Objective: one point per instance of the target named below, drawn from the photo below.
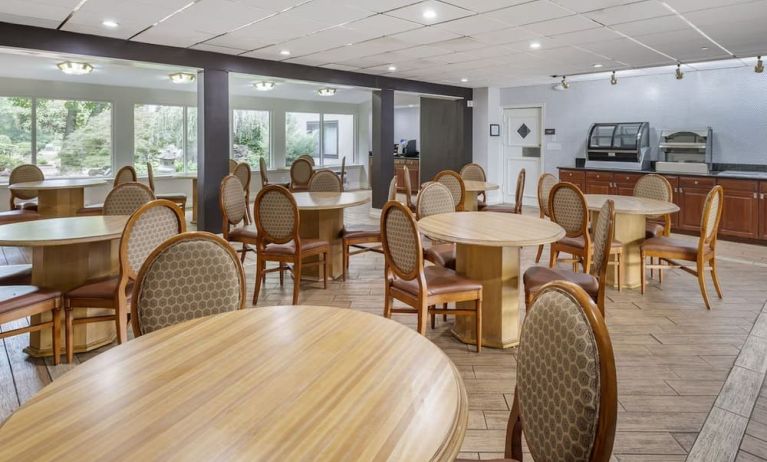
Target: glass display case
(621, 145)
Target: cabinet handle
(680, 190)
(696, 181)
(755, 196)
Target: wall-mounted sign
(549, 131)
(495, 130)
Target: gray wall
(731, 101)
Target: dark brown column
(382, 163)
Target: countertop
(397, 157)
(730, 174)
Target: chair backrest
(126, 198)
(150, 175)
(232, 165)
(545, 183)
(276, 215)
(307, 157)
(126, 174)
(519, 194)
(232, 201)
(408, 186)
(603, 237)
(242, 172)
(188, 276)
(401, 240)
(455, 184)
(567, 208)
(433, 199)
(301, 171)
(712, 215)
(473, 172)
(325, 181)
(654, 186)
(565, 348)
(25, 173)
(151, 225)
(262, 171)
(393, 189)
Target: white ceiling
(484, 41)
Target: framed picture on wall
(495, 130)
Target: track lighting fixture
(759, 68)
(565, 84)
(613, 79)
(679, 74)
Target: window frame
(321, 140)
(269, 154)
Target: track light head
(679, 74)
(759, 68)
(613, 79)
(565, 84)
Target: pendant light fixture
(759, 68)
(613, 79)
(328, 91)
(264, 85)
(679, 74)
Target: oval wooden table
(59, 197)
(65, 253)
(322, 217)
(473, 190)
(488, 250)
(630, 227)
(277, 383)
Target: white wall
(486, 148)
(407, 124)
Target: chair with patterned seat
(301, 171)
(545, 183)
(307, 157)
(475, 172)
(408, 185)
(519, 195)
(232, 165)
(434, 199)
(126, 198)
(24, 173)
(243, 174)
(325, 181)
(177, 198)
(278, 222)
(566, 397)
(567, 208)
(126, 174)
(263, 171)
(22, 301)
(233, 203)
(654, 186)
(212, 282)
(454, 183)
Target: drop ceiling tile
(162, 35)
(33, 9)
(546, 43)
(272, 30)
(527, 13)
(380, 25)
(633, 12)
(274, 5)
(30, 21)
(329, 12)
(684, 45)
(746, 12)
(379, 6)
(562, 25)
(415, 13)
(582, 6)
(471, 25)
(425, 36)
(482, 6)
(508, 35)
(341, 67)
(423, 51)
(684, 6)
(320, 41)
(587, 36)
(123, 32)
(218, 49)
(309, 60)
(214, 17)
(626, 51)
(459, 44)
(652, 26)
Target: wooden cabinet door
(740, 214)
(415, 180)
(599, 183)
(576, 177)
(692, 200)
(623, 183)
(763, 210)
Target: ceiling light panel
(442, 12)
(527, 13)
(49, 14)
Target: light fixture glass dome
(328, 91)
(182, 77)
(265, 85)
(75, 68)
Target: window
(250, 137)
(165, 136)
(15, 133)
(303, 136)
(338, 138)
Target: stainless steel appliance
(624, 145)
(684, 151)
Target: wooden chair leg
(539, 254)
(282, 275)
(478, 308)
(346, 260)
(422, 313)
(69, 334)
(715, 277)
(121, 323)
(325, 270)
(387, 303)
(619, 264)
(56, 335)
(444, 316)
(702, 283)
(260, 266)
(433, 321)
(554, 255)
(652, 270)
(660, 272)
(244, 251)
(296, 280)
(643, 270)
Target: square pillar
(382, 163)
(212, 145)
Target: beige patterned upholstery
(325, 181)
(24, 174)
(401, 239)
(309, 158)
(433, 199)
(568, 209)
(473, 172)
(653, 186)
(276, 214)
(558, 379)
(192, 277)
(545, 184)
(126, 174)
(242, 172)
(300, 172)
(126, 198)
(232, 165)
(454, 183)
(152, 227)
(602, 238)
(393, 189)
(233, 200)
(709, 221)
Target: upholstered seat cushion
(536, 276)
(243, 234)
(361, 232)
(441, 255)
(18, 215)
(439, 281)
(502, 208)
(15, 274)
(671, 248)
(15, 297)
(653, 229)
(307, 246)
(577, 242)
(104, 288)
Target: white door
(521, 149)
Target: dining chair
(177, 198)
(212, 282)
(233, 203)
(126, 174)
(325, 181)
(232, 165)
(342, 173)
(361, 238)
(301, 171)
(242, 172)
(475, 172)
(671, 250)
(422, 289)
(278, 222)
(654, 186)
(147, 228)
(24, 173)
(408, 189)
(595, 281)
(435, 199)
(566, 397)
(568, 209)
(308, 157)
(545, 183)
(127, 198)
(20, 274)
(454, 183)
(23, 301)
(519, 195)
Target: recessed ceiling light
(704, 48)
(74, 68)
(182, 77)
(429, 14)
(285, 52)
(265, 85)
(328, 91)
(535, 45)
(597, 66)
(392, 68)
(464, 80)
(109, 23)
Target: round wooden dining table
(473, 190)
(488, 246)
(322, 217)
(630, 227)
(59, 197)
(66, 252)
(278, 383)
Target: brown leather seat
(173, 197)
(441, 255)
(577, 242)
(18, 215)
(439, 281)
(307, 246)
(653, 229)
(28, 205)
(537, 276)
(99, 288)
(671, 248)
(361, 232)
(243, 234)
(15, 275)
(16, 297)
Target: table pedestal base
(470, 201)
(64, 268)
(630, 230)
(497, 268)
(325, 225)
(54, 203)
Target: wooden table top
(330, 200)
(277, 383)
(479, 186)
(62, 231)
(630, 205)
(62, 183)
(491, 229)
